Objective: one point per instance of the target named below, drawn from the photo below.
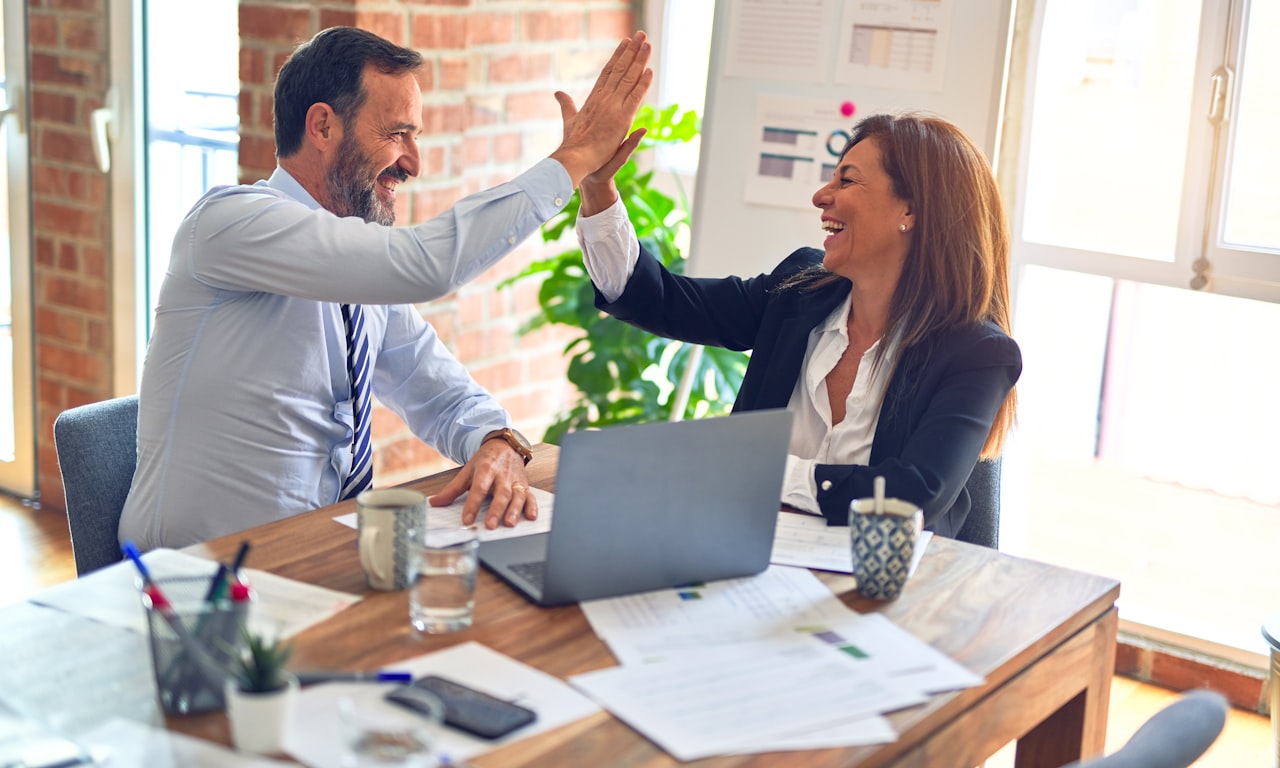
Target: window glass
(1145, 448)
(192, 116)
(682, 73)
(1252, 199)
(1111, 113)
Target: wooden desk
(1043, 637)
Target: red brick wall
(71, 220)
(492, 66)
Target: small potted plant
(261, 694)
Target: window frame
(1233, 272)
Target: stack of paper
(772, 662)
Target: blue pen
(307, 678)
(131, 551)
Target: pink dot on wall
(847, 109)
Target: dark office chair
(982, 526)
(1174, 737)
(97, 448)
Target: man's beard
(352, 196)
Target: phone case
(465, 708)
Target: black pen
(307, 678)
(241, 554)
(216, 584)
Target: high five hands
(597, 135)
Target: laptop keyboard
(531, 572)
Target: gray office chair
(982, 526)
(1174, 737)
(97, 448)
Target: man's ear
(323, 125)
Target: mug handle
(368, 550)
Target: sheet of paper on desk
(315, 736)
(807, 541)
(451, 515)
(110, 595)
(135, 744)
(744, 699)
(654, 625)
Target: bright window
(1106, 159)
(1147, 419)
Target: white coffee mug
(384, 520)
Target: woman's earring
(902, 227)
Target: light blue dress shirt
(245, 410)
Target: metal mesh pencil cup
(194, 644)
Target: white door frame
(119, 133)
(19, 476)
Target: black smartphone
(465, 708)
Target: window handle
(103, 131)
(14, 107)
(1220, 96)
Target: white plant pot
(260, 721)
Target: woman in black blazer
(891, 345)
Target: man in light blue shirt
(246, 409)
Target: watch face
(518, 442)
(524, 441)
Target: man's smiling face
(379, 148)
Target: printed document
(759, 639)
(742, 698)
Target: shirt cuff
(548, 185)
(476, 436)
(799, 489)
(610, 249)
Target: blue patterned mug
(883, 544)
(385, 519)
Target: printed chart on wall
(787, 81)
(899, 44)
(884, 43)
(798, 144)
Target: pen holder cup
(194, 644)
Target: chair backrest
(982, 526)
(97, 448)
(1174, 737)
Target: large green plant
(622, 374)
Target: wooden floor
(36, 552)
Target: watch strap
(513, 439)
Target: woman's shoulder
(984, 336)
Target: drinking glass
(442, 590)
(376, 737)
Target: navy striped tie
(361, 476)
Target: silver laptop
(649, 506)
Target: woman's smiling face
(862, 215)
